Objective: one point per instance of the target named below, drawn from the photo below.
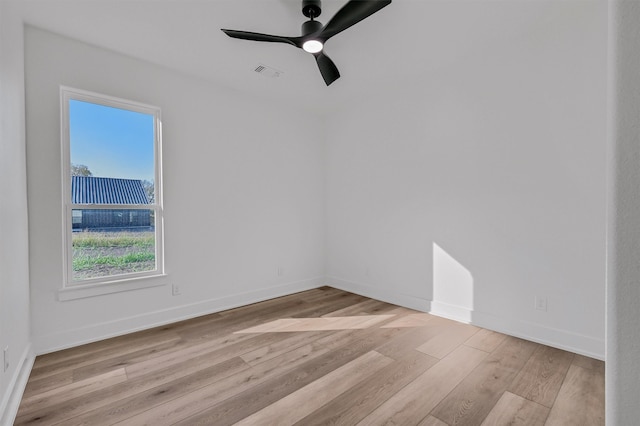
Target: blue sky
(112, 142)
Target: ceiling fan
(314, 34)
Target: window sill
(99, 289)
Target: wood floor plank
(245, 317)
(71, 390)
(515, 410)
(114, 345)
(485, 340)
(122, 361)
(442, 344)
(37, 386)
(273, 350)
(333, 296)
(541, 377)
(411, 320)
(223, 348)
(121, 408)
(432, 421)
(240, 318)
(580, 401)
(588, 363)
(264, 394)
(230, 323)
(288, 325)
(365, 370)
(289, 410)
(329, 304)
(269, 327)
(195, 402)
(359, 401)
(318, 294)
(476, 395)
(418, 398)
(412, 338)
(366, 307)
(107, 354)
(261, 310)
(61, 412)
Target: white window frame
(74, 289)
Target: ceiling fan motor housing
(311, 8)
(310, 27)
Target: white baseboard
(105, 330)
(557, 338)
(453, 312)
(384, 295)
(11, 401)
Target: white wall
(499, 162)
(244, 183)
(14, 260)
(623, 250)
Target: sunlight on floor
(317, 324)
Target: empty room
(350, 212)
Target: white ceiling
(402, 43)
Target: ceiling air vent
(268, 71)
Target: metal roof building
(109, 191)
(100, 190)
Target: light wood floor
(319, 357)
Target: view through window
(113, 214)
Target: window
(111, 189)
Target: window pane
(76, 218)
(112, 154)
(107, 242)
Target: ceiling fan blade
(328, 69)
(350, 14)
(246, 35)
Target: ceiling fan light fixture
(314, 34)
(312, 46)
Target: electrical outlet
(540, 303)
(367, 272)
(280, 271)
(175, 290)
(5, 358)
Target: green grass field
(103, 254)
